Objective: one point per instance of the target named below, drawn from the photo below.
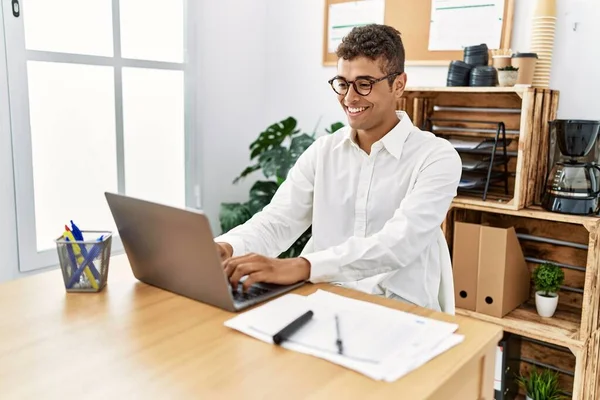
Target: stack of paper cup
(542, 40)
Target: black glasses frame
(372, 81)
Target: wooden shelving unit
(569, 342)
(573, 242)
(466, 112)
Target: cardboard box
(489, 268)
(465, 261)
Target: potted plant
(547, 278)
(507, 76)
(540, 385)
(274, 152)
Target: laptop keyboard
(253, 292)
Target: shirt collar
(393, 141)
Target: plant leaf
(296, 249)
(261, 194)
(247, 171)
(273, 137)
(232, 215)
(299, 145)
(334, 127)
(275, 162)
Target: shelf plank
(562, 329)
(470, 89)
(532, 212)
(497, 202)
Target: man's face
(368, 112)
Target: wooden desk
(136, 341)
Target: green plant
(508, 68)
(547, 278)
(541, 385)
(274, 152)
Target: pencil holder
(84, 263)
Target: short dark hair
(375, 42)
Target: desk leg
(488, 365)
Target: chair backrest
(446, 292)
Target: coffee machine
(573, 184)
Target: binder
(507, 367)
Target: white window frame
(17, 56)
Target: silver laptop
(173, 249)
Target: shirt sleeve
(289, 214)
(407, 234)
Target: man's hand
(264, 269)
(225, 250)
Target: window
(98, 93)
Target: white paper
(403, 341)
(465, 143)
(456, 24)
(345, 16)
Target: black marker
(290, 329)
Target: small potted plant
(547, 278)
(507, 76)
(540, 385)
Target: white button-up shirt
(376, 218)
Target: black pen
(291, 328)
(338, 342)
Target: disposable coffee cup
(526, 64)
(501, 61)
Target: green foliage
(541, 385)
(274, 152)
(508, 68)
(548, 278)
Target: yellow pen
(80, 259)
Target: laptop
(173, 249)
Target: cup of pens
(84, 257)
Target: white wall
(576, 59)
(232, 95)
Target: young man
(375, 192)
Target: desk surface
(134, 339)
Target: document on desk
(379, 342)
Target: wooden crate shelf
(574, 245)
(578, 313)
(555, 358)
(525, 113)
(577, 372)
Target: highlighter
(78, 235)
(80, 258)
(94, 252)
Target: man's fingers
(242, 270)
(241, 259)
(255, 277)
(231, 264)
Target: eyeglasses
(362, 86)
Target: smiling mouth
(353, 111)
